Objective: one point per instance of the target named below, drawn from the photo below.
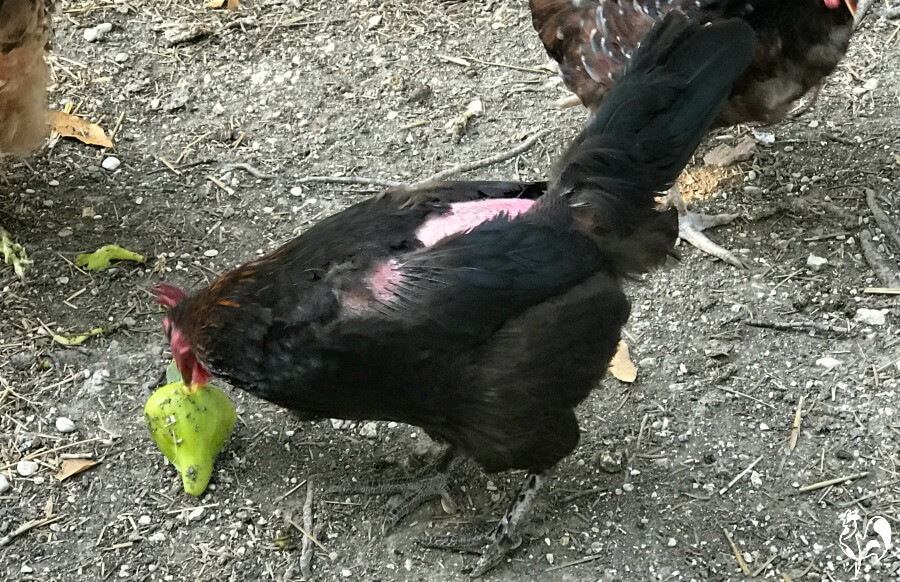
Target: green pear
(190, 427)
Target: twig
(736, 393)
(489, 161)
(349, 180)
(830, 482)
(307, 553)
(739, 476)
(512, 67)
(308, 535)
(228, 189)
(291, 490)
(882, 290)
(881, 219)
(644, 420)
(879, 266)
(28, 526)
(170, 166)
(247, 168)
(37, 454)
(438, 177)
(797, 326)
(795, 432)
(574, 562)
(737, 553)
(763, 567)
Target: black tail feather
(646, 130)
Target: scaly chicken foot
(691, 226)
(13, 253)
(501, 540)
(410, 493)
(809, 101)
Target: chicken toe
(409, 494)
(502, 539)
(13, 253)
(691, 226)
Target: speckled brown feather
(24, 33)
(800, 42)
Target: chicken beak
(851, 6)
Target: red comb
(168, 295)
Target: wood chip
(71, 467)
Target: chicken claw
(411, 493)
(691, 226)
(505, 536)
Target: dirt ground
(367, 88)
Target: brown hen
(24, 31)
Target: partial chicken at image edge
(24, 74)
(800, 43)
(483, 312)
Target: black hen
(478, 313)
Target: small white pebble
(627, 487)
(26, 468)
(121, 57)
(210, 253)
(296, 191)
(671, 543)
(65, 425)
(870, 316)
(196, 514)
(828, 362)
(369, 430)
(4, 484)
(346, 573)
(111, 163)
(816, 263)
(763, 426)
(53, 183)
(26, 569)
(144, 520)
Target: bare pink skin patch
(464, 216)
(381, 279)
(377, 286)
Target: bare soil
(365, 88)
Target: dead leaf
(68, 125)
(621, 366)
(229, 4)
(72, 467)
(727, 155)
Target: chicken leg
(691, 226)
(413, 493)
(502, 539)
(13, 253)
